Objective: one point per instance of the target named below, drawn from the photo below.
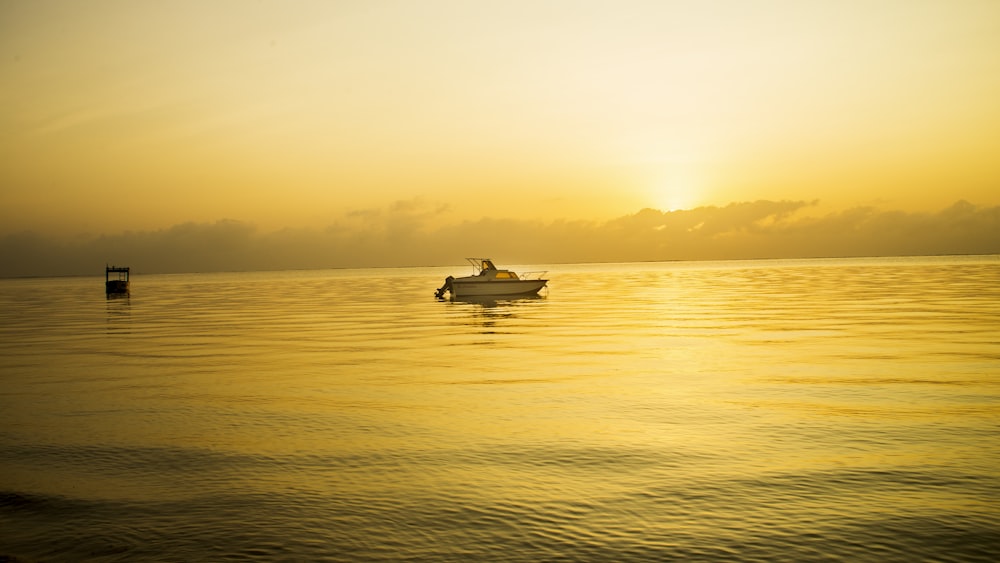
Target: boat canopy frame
(122, 272)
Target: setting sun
(679, 190)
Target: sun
(679, 191)
(675, 200)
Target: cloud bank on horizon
(400, 235)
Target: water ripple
(825, 410)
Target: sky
(370, 126)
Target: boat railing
(533, 275)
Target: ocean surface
(774, 410)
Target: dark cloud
(402, 235)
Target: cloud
(402, 235)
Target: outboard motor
(446, 287)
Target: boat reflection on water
(119, 313)
(494, 301)
(493, 315)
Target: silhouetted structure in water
(119, 284)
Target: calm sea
(768, 410)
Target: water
(770, 410)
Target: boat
(488, 280)
(117, 284)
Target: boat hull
(116, 286)
(474, 288)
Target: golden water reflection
(635, 412)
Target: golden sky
(143, 115)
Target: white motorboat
(488, 280)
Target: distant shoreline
(671, 261)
